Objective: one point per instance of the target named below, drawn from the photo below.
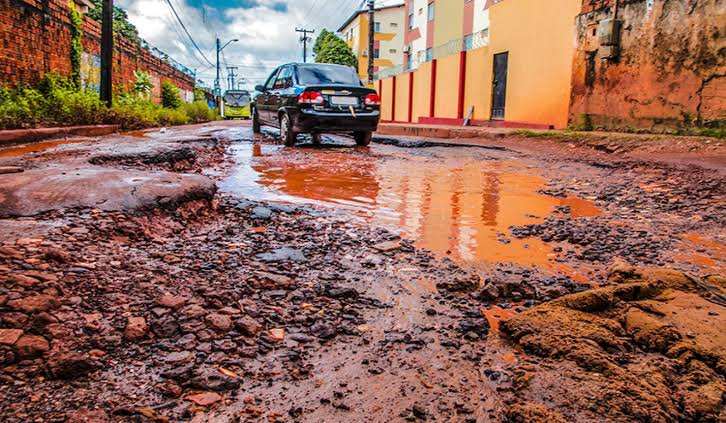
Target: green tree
(321, 40)
(329, 48)
(76, 46)
(143, 84)
(170, 97)
(121, 24)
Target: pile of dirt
(647, 347)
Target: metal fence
(168, 59)
(470, 42)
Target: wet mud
(340, 283)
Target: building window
(432, 11)
(429, 54)
(410, 22)
(376, 53)
(392, 51)
(377, 26)
(394, 25)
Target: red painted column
(393, 100)
(432, 106)
(462, 84)
(410, 96)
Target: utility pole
(231, 72)
(305, 40)
(107, 53)
(371, 39)
(218, 81)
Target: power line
(187, 32)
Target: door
(279, 89)
(499, 89)
(263, 100)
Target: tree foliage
(329, 48)
(142, 84)
(170, 97)
(121, 24)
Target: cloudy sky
(265, 29)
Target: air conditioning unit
(608, 32)
(365, 53)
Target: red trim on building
(412, 36)
(469, 17)
(430, 27)
(410, 97)
(432, 106)
(462, 84)
(393, 100)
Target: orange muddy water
(40, 146)
(454, 202)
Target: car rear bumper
(312, 121)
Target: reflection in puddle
(455, 202)
(40, 146)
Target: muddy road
(206, 274)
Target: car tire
(287, 135)
(255, 122)
(317, 138)
(363, 139)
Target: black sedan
(316, 98)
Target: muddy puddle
(456, 202)
(21, 150)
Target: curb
(24, 136)
(441, 132)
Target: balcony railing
(470, 42)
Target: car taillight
(310, 97)
(372, 100)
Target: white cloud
(266, 36)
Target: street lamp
(217, 83)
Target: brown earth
(648, 347)
(233, 309)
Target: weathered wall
(36, 38)
(671, 72)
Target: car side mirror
(260, 88)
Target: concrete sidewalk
(24, 136)
(443, 131)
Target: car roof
(298, 64)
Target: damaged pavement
(140, 283)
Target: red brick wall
(35, 38)
(671, 72)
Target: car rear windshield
(327, 75)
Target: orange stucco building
(502, 63)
